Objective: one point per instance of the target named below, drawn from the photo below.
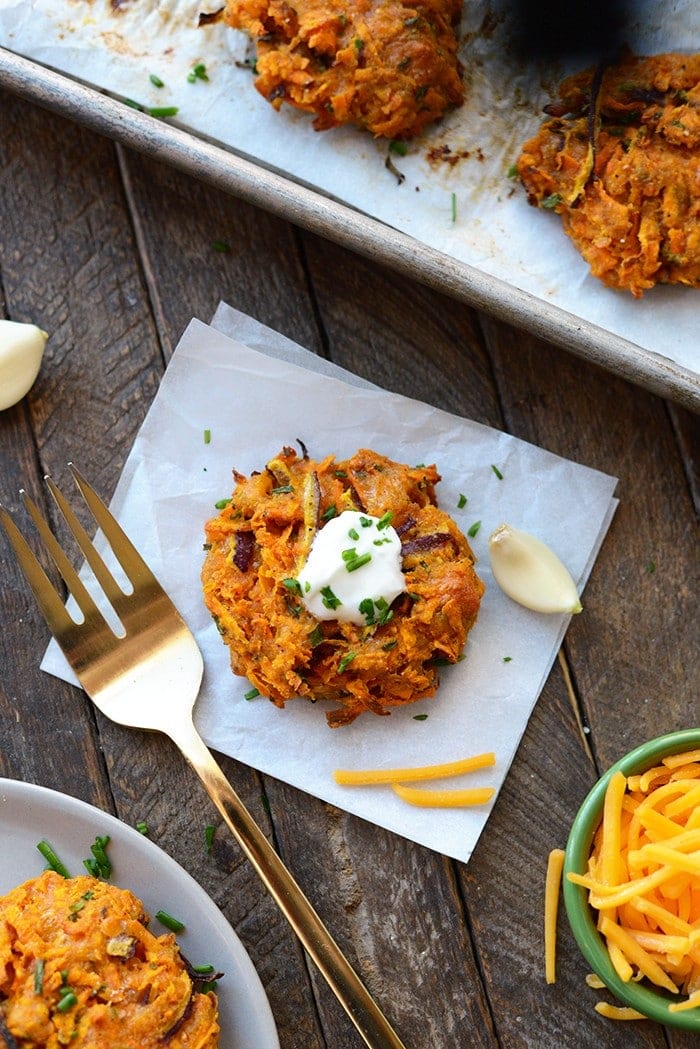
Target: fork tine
(136, 569)
(50, 603)
(114, 593)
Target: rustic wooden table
(113, 254)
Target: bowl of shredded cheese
(631, 881)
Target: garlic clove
(21, 351)
(530, 573)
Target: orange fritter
(619, 160)
(259, 543)
(385, 65)
(79, 968)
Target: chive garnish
(142, 827)
(282, 489)
(100, 866)
(354, 534)
(221, 246)
(329, 513)
(385, 520)
(156, 81)
(292, 584)
(345, 661)
(497, 472)
(420, 717)
(162, 111)
(329, 598)
(198, 72)
(39, 976)
(366, 608)
(357, 562)
(52, 859)
(454, 207)
(507, 659)
(252, 693)
(221, 503)
(207, 436)
(474, 529)
(67, 1001)
(209, 832)
(462, 501)
(174, 924)
(316, 636)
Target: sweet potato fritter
(79, 967)
(389, 66)
(263, 537)
(620, 162)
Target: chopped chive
(651, 567)
(174, 924)
(329, 513)
(474, 529)
(365, 522)
(461, 502)
(420, 717)
(329, 599)
(198, 72)
(357, 562)
(52, 859)
(282, 489)
(366, 608)
(207, 436)
(202, 970)
(399, 148)
(507, 659)
(101, 861)
(349, 555)
(142, 827)
(385, 520)
(354, 534)
(39, 976)
(454, 207)
(221, 503)
(389, 645)
(209, 832)
(316, 636)
(221, 246)
(156, 81)
(497, 472)
(292, 584)
(512, 171)
(252, 693)
(345, 661)
(551, 201)
(162, 111)
(67, 1001)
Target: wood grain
(113, 254)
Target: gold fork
(149, 678)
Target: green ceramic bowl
(582, 918)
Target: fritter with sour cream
(257, 551)
(385, 65)
(619, 161)
(79, 968)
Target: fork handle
(313, 934)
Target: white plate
(29, 813)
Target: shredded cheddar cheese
(440, 798)
(555, 865)
(370, 777)
(643, 879)
(444, 799)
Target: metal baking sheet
(309, 207)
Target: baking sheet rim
(306, 207)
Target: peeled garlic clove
(530, 573)
(21, 351)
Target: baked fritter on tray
(258, 548)
(79, 968)
(385, 65)
(619, 161)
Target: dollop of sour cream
(353, 571)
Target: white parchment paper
(254, 401)
(468, 209)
